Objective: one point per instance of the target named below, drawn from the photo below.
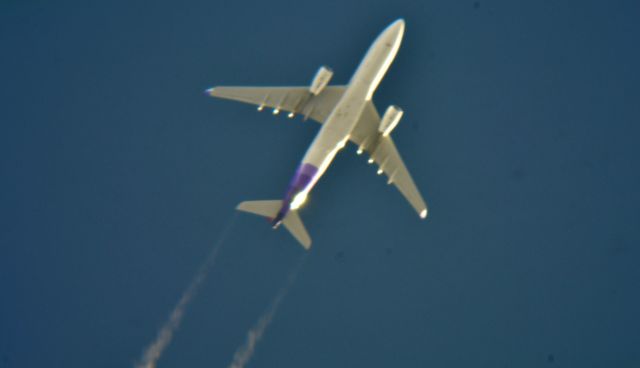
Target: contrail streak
(244, 353)
(153, 352)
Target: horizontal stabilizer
(291, 222)
(262, 208)
(295, 226)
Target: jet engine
(322, 78)
(390, 119)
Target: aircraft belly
(334, 134)
(335, 131)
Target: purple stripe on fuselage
(303, 177)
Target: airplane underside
(346, 114)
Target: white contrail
(153, 352)
(244, 353)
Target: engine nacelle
(322, 78)
(390, 119)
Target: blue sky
(118, 174)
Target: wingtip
(307, 245)
(209, 91)
(423, 214)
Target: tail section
(291, 221)
(267, 209)
(295, 226)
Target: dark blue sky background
(117, 175)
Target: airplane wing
(383, 152)
(294, 100)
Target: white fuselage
(335, 131)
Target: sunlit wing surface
(292, 100)
(384, 153)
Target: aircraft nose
(392, 34)
(396, 29)
(398, 25)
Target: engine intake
(321, 79)
(390, 119)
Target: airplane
(346, 113)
